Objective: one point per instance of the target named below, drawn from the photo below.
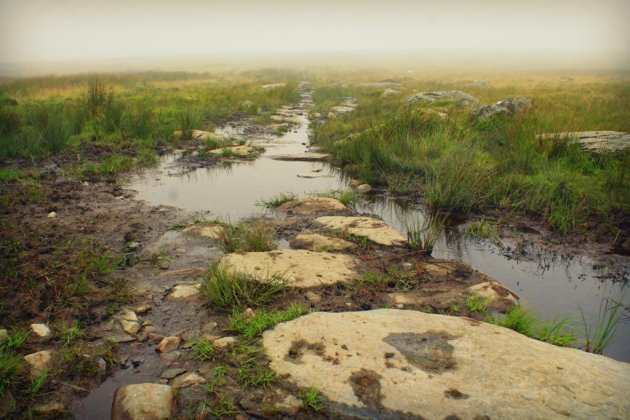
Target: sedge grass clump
(252, 236)
(203, 349)
(229, 289)
(262, 320)
(478, 303)
(311, 399)
(277, 200)
(519, 319)
(423, 234)
(484, 229)
(598, 337)
(524, 321)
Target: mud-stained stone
(39, 362)
(364, 188)
(172, 373)
(143, 401)
(502, 298)
(367, 387)
(313, 205)
(485, 370)
(301, 268)
(206, 230)
(507, 107)
(375, 230)
(312, 297)
(236, 151)
(183, 291)
(127, 315)
(306, 157)
(593, 141)
(195, 135)
(430, 351)
(316, 242)
(50, 410)
(4, 335)
(41, 330)
(224, 342)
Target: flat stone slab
(207, 230)
(307, 156)
(313, 205)
(375, 230)
(317, 242)
(183, 291)
(390, 363)
(456, 96)
(301, 268)
(594, 141)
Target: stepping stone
(316, 242)
(299, 267)
(313, 205)
(375, 230)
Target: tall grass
(599, 336)
(251, 236)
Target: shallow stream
(551, 285)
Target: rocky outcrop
(301, 268)
(143, 401)
(456, 96)
(593, 141)
(507, 107)
(375, 230)
(390, 363)
(313, 205)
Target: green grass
(229, 290)
(484, 229)
(277, 200)
(10, 174)
(423, 235)
(598, 337)
(38, 383)
(253, 236)
(460, 165)
(311, 399)
(524, 321)
(252, 375)
(11, 368)
(70, 333)
(346, 196)
(262, 320)
(477, 303)
(203, 349)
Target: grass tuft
(347, 197)
(228, 290)
(262, 320)
(254, 236)
(478, 303)
(203, 349)
(599, 337)
(311, 399)
(277, 200)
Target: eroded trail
(327, 269)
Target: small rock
(506, 107)
(52, 215)
(172, 373)
(168, 344)
(101, 365)
(364, 188)
(190, 379)
(52, 409)
(249, 313)
(41, 330)
(224, 342)
(170, 357)
(120, 338)
(143, 309)
(130, 327)
(354, 183)
(4, 335)
(289, 405)
(39, 362)
(454, 96)
(154, 336)
(313, 297)
(143, 401)
(127, 315)
(209, 327)
(183, 291)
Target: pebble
(41, 330)
(168, 344)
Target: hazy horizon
(36, 35)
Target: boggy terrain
(102, 290)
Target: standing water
(553, 286)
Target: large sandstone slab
(308, 206)
(594, 141)
(143, 401)
(375, 230)
(388, 363)
(301, 268)
(317, 242)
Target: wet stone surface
(429, 351)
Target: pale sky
(33, 30)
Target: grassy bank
(125, 118)
(460, 164)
